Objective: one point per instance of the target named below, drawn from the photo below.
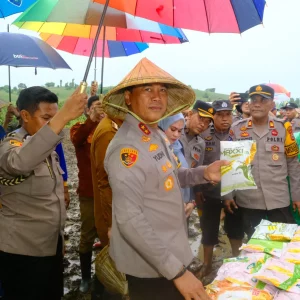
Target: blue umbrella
(11, 7)
(27, 51)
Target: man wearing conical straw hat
(149, 239)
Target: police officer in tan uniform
(33, 211)
(292, 116)
(212, 206)
(198, 120)
(149, 235)
(275, 159)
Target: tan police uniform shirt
(212, 140)
(32, 194)
(193, 150)
(149, 231)
(275, 159)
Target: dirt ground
(72, 234)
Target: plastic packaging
(237, 175)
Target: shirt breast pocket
(275, 154)
(42, 181)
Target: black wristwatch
(181, 273)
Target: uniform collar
(139, 126)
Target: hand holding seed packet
(237, 175)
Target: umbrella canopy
(279, 89)
(11, 7)
(117, 34)
(281, 94)
(81, 46)
(81, 20)
(219, 16)
(27, 51)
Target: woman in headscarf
(173, 127)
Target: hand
(67, 196)
(97, 112)
(13, 110)
(190, 287)
(230, 205)
(296, 206)
(234, 97)
(212, 173)
(188, 208)
(74, 106)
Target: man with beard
(275, 159)
(212, 206)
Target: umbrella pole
(95, 70)
(9, 81)
(102, 67)
(84, 84)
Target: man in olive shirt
(33, 211)
(275, 159)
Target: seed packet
(273, 248)
(296, 237)
(225, 290)
(283, 295)
(281, 274)
(267, 230)
(237, 175)
(292, 253)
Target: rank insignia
(196, 156)
(275, 157)
(271, 124)
(153, 147)
(208, 149)
(145, 139)
(208, 138)
(274, 132)
(164, 168)
(258, 88)
(231, 132)
(244, 134)
(144, 128)
(249, 125)
(129, 157)
(169, 165)
(275, 148)
(169, 183)
(16, 143)
(244, 128)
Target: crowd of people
(148, 154)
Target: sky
(227, 62)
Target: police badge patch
(129, 157)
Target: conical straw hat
(181, 97)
